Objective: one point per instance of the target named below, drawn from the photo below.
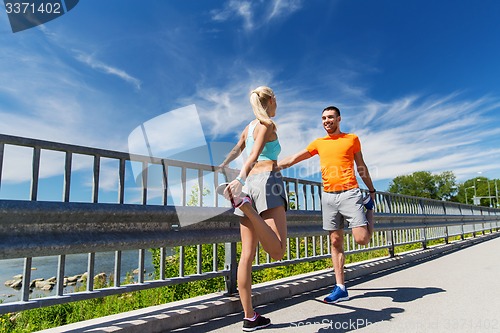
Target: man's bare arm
(294, 159)
(363, 172)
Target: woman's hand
(233, 189)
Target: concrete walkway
(447, 288)
(455, 292)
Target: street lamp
(489, 192)
(466, 202)
(476, 202)
(496, 194)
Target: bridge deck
(449, 288)
(456, 292)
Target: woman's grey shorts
(339, 207)
(267, 191)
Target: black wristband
(374, 190)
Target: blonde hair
(259, 99)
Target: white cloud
(238, 8)
(93, 63)
(284, 7)
(256, 13)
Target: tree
(426, 185)
(194, 197)
(446, 185)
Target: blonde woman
(259, 198)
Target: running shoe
(239, 201)
(220, 189)
(368, 202)
(337, 295)
(236, 202)
(258, 323)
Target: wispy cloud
(242, 9)
(107, 69)
(284, 8)
(45, 94)
(256, 13)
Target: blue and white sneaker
(368, 202)
(337, 295)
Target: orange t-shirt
(336, 157)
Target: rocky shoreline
(49, 284)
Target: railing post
(35, 174)
(140, 276)
(61, 262)
(163, 257)
(67, 177)
(390, 233)
(95, 180)
(26, 279)
(423, 233)
(446, 232)
(2, 146)
(297, 202)
(182, 257)
(390, 242)
(491, 226)
(90, 271)
(462, 236)
(118, 268)
(231, 265)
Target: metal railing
(32, 228)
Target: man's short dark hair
(332, 108)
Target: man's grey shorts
(339, 207)
(267, 191)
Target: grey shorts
(267, 191)
(343, 206)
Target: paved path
(455, 292)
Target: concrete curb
(185, 313)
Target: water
(46, 267)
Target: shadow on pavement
(338, 322)
(342, 322)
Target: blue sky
(417, 81)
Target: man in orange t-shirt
(341, 200)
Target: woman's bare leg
(249, 242)
(270, 228)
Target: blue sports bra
(271, 149)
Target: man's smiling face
(331, 121)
